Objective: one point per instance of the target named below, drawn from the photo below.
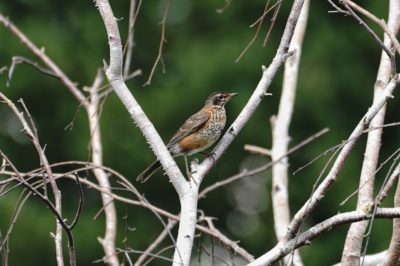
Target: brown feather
(191, 125)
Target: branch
(187, 194)
(268, 74)
(346, 149)
(393, 254)
(133, 11)
(19, 60)
(140, 202)
(280, 135)
(257, 150)
(284, 248)
(355, 235)
(156, 243)
(32, 134)
(371, 259)
(114, 76)
(388, 29)
(60, 221)
(260, 22)
(161, 46)
(108, 242)
(351, 12)
(40, 53)
(262, 168)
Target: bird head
(219, 98)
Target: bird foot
(210, 155)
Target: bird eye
(220, 97)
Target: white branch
(187, 194)
(114, 76)
(322, 189)
(32, 135)
(283, 248)
(93, 110)
(280, 134)
(393, 254)
(371, 259)
(355, 236)
(257, 96)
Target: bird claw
(212, 156)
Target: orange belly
(191, 143)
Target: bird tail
(148, 172)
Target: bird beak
(230, 95)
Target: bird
(197, 133)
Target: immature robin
(199, 131)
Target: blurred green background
(338, 70)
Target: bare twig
(3, 249)
(280, 133)
(32, 134)
(145, 204)
(388, 184)
(373, 34)
(164, 233)
(383, 192)
(80, 203)
(371, 259)
(162, 41)
(284, 248)
(262, 168)
(258, 94)
(393, 254)
(108, 242)
(257, 150)
(224, 7)
(59, 218)
(22, 60)
(260, 23)
(23, 197)
(3, 69)
(40, 53)
(130, 41)
(355, 236)
(273, 20)
(342, 156)
(391, 33)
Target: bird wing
(192, 124)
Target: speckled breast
(208, 134)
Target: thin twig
(381, 22)
(373, 34)
(273, 20)
(262, 168)
(162, 41)
(32, 134)
(164, 233)
(89, 166)
(40, 53)
(260, 23)
(80, 203)
(53, 208)
(224, 7)
(305, 238)
(257, 150)
(130, 41)
(330, 178)
(381, 194)
(22, 60)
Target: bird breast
(210, 132)
(206, 136)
